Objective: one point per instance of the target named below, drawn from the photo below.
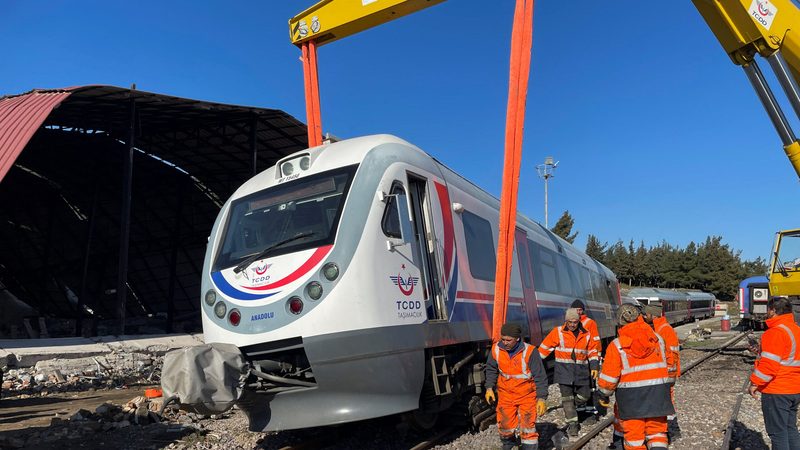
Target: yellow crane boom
(747, 28)
(330, 20)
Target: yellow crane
(744, 28)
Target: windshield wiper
(243, 265)
(780, 266)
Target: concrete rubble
(38, 367)
(140, 412)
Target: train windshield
(303, 213)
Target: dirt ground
(22, 413)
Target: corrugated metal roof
(67, 162)
(20, 118)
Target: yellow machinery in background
(784, 273)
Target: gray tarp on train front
(207, 379)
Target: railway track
(607, 421)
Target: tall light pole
(546, 172)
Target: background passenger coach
(356, 279)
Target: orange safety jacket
(591, 326)
(777, 370)
(575, 355)
(665, 330)
(517, 377)
(636, 368)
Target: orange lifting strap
(313, 116)
(521, 42)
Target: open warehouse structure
(107, 196)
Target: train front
(285, 338)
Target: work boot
(529, 447)
(573, 429)
(616, 443)
(673, 431)
(508, 443)
(590, 421)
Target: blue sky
(659, 136)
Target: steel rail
(602, 425)
(726, 442)
(433, 440)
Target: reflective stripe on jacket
(516, 377)
(665, 330)
(777, 370)
(591, 326)
(575, 355)
(636, 368)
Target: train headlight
(211, 297)
(314, 290)
(287, 168)
(235, 317)
(295, 305)
(330, 271)
(305, 163)
(220, 309)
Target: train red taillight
(235, 317)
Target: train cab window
(289, 217)
(480, 246)
(391, 216)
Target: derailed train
(357, 280)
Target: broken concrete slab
(28, 352)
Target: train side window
(544, 269)
(480, 246)
(588, 289)
(583, 284)
(565, 277)
(391, 214)
(525, 263)
(597, 288)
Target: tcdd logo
(260, 270)
(406, 285)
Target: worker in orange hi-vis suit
(591, 326)
(636, 370)
(654, 315)
(515, 368)
(777, 375)
(575, 367)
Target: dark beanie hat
(511, 329)
(577, 304)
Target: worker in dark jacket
(591, 326)
(576, 365)
(515, 369)
(777, 375)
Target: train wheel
(421, 421)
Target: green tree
(563, 227)
(595, 249)
(620, 262)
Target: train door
(529, 294)
(401, 265)
(425, 248)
